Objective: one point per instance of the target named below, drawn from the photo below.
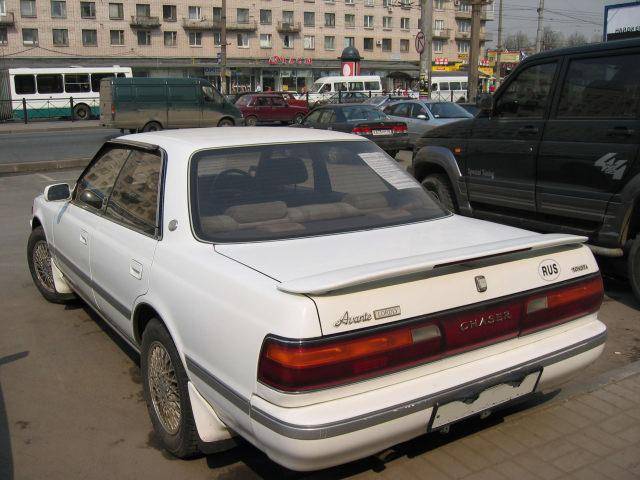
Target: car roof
(593, 47)
(217, 137)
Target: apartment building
(276, 43)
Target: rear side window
(527, 96)
(101, 176)
(356, 86)
(313, 116)
(278, 102)
(96, 78)
(372, 85)
(76, 83)
(328, 116)
(363, 114)
(25, 84)
(601, 87)
(50, 83)
(402, 110)
(134, 200)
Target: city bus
(58, 92)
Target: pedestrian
(258, 87)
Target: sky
(566, 16)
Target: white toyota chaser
(300, 290)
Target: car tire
(226, 122)
(251, 121)
(440, 187)
(298, 119)
(178, 435)
(39, 260)
(633, 267)
(81, 112)
(152, 127)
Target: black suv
(554, 149)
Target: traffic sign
(420, 42)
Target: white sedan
(300, 290)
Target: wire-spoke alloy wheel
(42, 265)
(163, 388)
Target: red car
(268, 108)
(291, 99)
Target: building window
(242, 40)
(195, 13)
(387, 3)
(265, 40)
(349, 20)
(349, 42)
(28, 8)
(405, 23)
(195, 39)
(463, 6)
(386, 44)
(329, 19)
(387, 22)
(368, 21)
(438, 25)
(287, 17)
(116, 11)
(143, 10)
(3, 7)
(60, 37)
(242, 15)
(368, 3)
(287, 41)
(464, 25)
(170, 39)
(309, 19)
(4, 38)
(217, 38)
(144, 37)
(265, 17)
(58, 9)
(438, 46)
(404, 45)
(439, 4)
(88, 9)
(463, 47)
(30, 36)
(349, 2)
(368, 43)
(217, 14)
(116, 37)
(169, 13)
(309, 42)
(89, 38)
(330, 42)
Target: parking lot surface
(71, 401)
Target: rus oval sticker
(549, 269)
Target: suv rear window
(294, 190)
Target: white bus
(47, 92)
(324, 87)
(449, 88)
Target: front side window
(49, 83)
(116, 11)
(88, 9)
(28, 8)
(89, 38)
(116, 37)
(134, 199)
(76, 83)
(58, 9)
(601, 87)
(60, 37)
(528, 94)
(301, 189)
(95, 185)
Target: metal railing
(28, 111)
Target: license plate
(382, 132)
(486, 400)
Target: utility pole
(223, 48)
(498, 59)
(426, 26)
(539, 32)
(474, 53)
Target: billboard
(621, 21)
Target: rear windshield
(363, 114)
(448, 110)
(279, 191)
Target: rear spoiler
(373, 272)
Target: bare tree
(517, 41)
(551, 39)
(596, 38)
(576, 39)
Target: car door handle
(83, 237)
(135, 269)
(620, 132)
(528, 129)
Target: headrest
(257, 212)
(275, 172)
(366, 201)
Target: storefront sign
(278, 60)
(212, 71)
(505, 56)
(441, 61)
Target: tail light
(303, 365)
(400, 128)
(113, 112)
(361, 130)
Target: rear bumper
(401, 143)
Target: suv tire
(39, 260)
(440, 187)
(634, 267)
(164, 378)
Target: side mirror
(90, 198)
(485, 102)
(422, 116)
(57, 192)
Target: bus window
(50, 83)
(444, 85)
(465, 85)
(372, 85)
(76, 82)
(434, 87)
(340, 86)
(25, 84)
(455, 85)
(356, 86)
(96, 78)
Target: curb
(49, 129)
(26, 167)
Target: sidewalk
(53, 126)
(589, 435)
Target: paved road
(42, 146)
(71, 402)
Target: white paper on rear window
(389, 170)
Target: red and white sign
(350, 69)
(441, 61)
(278, 60)
(420, 42)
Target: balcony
(463, 35)
(200, 24)
(249, 26)
(486, 36)
(289, 27)
(463, 13)
(7, 19)
(443, 33)
(144, 22)
(487, 15)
